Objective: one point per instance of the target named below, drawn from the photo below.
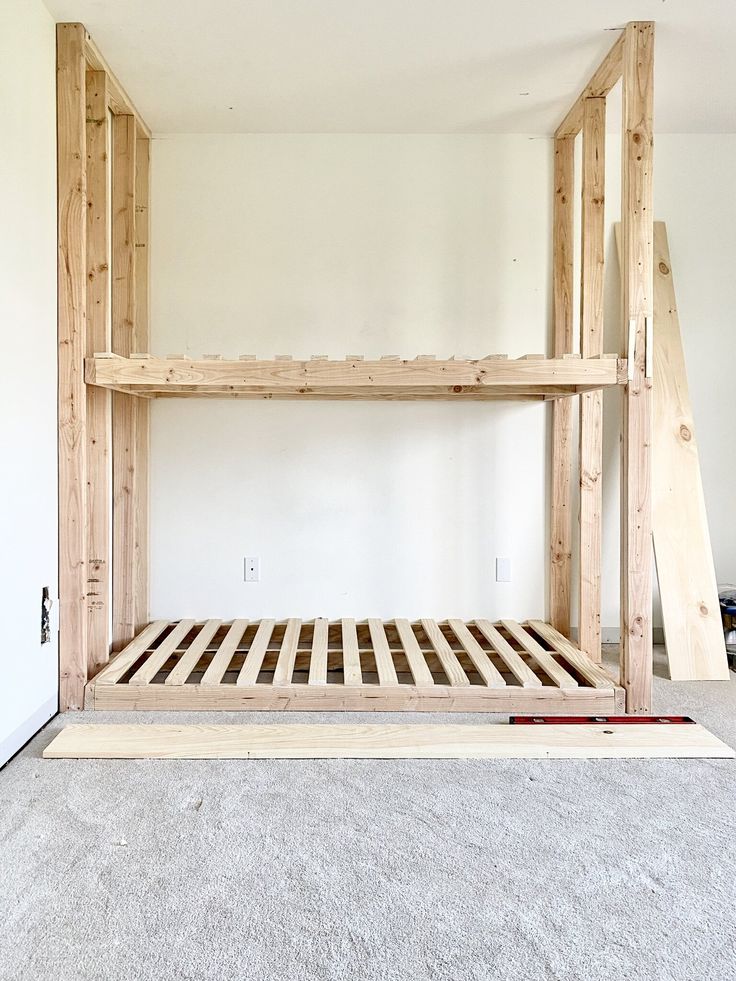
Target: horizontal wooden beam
(488, 378)
(605, 77)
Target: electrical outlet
(503, 569)
(252, 568)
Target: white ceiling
(407, 66)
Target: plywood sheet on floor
(417, 741)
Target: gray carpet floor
(372, 870)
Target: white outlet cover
(251, 568)
(503, 569)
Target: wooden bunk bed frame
(111, 656)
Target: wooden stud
(560, 574)
(141, 335)
(591, 403)
(98, 401)
(72, 314)
(637, 240)
(124, 407)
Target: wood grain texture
(605, 77)
(352, 379)
(560, 566)
(687, 579)
(72, 396)
(392, 741)
(98, 401)
(124, 407)
(591, 403)
(141, 342)
(637, 234)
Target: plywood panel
(417, 741)
(687, 579)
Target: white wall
(380, 245)
(28, 490)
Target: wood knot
(685, 433)
(636, 138)
(457, 388)
(703, 610)
(664, 268)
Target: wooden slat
(417, 664)
(448, 658)
(687, 580)
(592, 672)
(382, 653)
(637, 274)
(124, 408)
(511, 658)
(98, 401)
(251, 668)
(560, 573)
(591, 403)
(287, 655)
(72, 305)
(115, 670)
(352, 673)
(141, 342)
(483, 664)
(318, 658)
(223, 655)
(189, 660)
(414, 741)
(605, 77)
(543, 658)
(153, 664)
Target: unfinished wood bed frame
(106, 379)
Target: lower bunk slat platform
(344, 665)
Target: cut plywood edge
(685, 570)
(553, 741)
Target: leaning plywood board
(554, 741)
(687, 580)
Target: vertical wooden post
(562, 274)
(141, 344)
(637, 241)
(72, 306)
(98, 400)
(124, 407)
(591, 403)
